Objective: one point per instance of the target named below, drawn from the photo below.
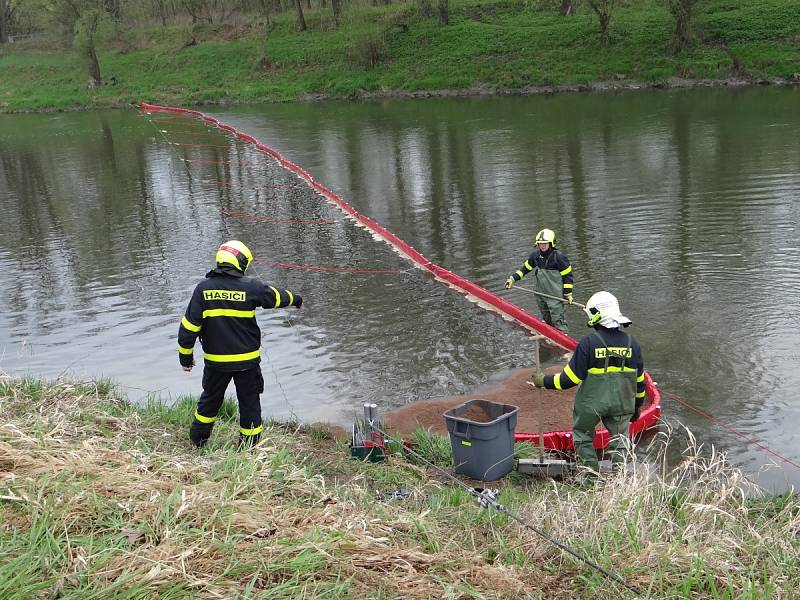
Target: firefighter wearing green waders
(552, 274)
(609, 368)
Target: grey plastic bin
(483, 451)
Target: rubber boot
(199, 433)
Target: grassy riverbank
(505, 46)
(100, 499)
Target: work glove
(298, 301)
(568, 298)
(538, 380)
(510, 283)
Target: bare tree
(567, 8)
(682, 12)
(603, 9)
(301, 21)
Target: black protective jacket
(222, 313)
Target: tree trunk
(566, 8)
(301, 21)
(308, 4)
(337, 10)
(682, 14)
(94, 65)
(444, 12)
(3, 22)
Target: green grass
(501, 44)
(102, 499)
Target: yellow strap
(571, 374)
(569, 286)
(182, 350)
(277, 296)
(291, 297)
(641, 394)
(566, 271)
(640, 378)
(253, 431)
(228, 312)
(521, 274)
(203, 419)
(528, 266)
(233, 357)
(557, 381)
(189, 325)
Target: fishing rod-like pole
(530, 291)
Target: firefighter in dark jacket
(609, 367)
(222, 313)
(552, 276)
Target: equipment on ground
(367, 441)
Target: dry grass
(100, 499)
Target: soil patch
(539, 410)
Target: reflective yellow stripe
(566, 271)
(277, 296)
(189, 325)
(253, 431)
(521, 274)
(599, 371)
(640, 378)
(569, 286)
(640, 394)
(228, 312)
(232, 357)
(203, 419)
(291, 297)
(528, 266)
(557, 381)
(183, 350)
(571, 374)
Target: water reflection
(683, 204)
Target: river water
(684, 204)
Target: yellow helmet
(234, 253)
(546, 236)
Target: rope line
(352, 270)
(745, 436)
(503, 509)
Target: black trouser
(249, 386)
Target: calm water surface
(684, 204)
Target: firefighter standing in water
(222, 313)
(552, 276)
(609, 366)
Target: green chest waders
(549, 281)
(607, 395)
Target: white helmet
(603, 309)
